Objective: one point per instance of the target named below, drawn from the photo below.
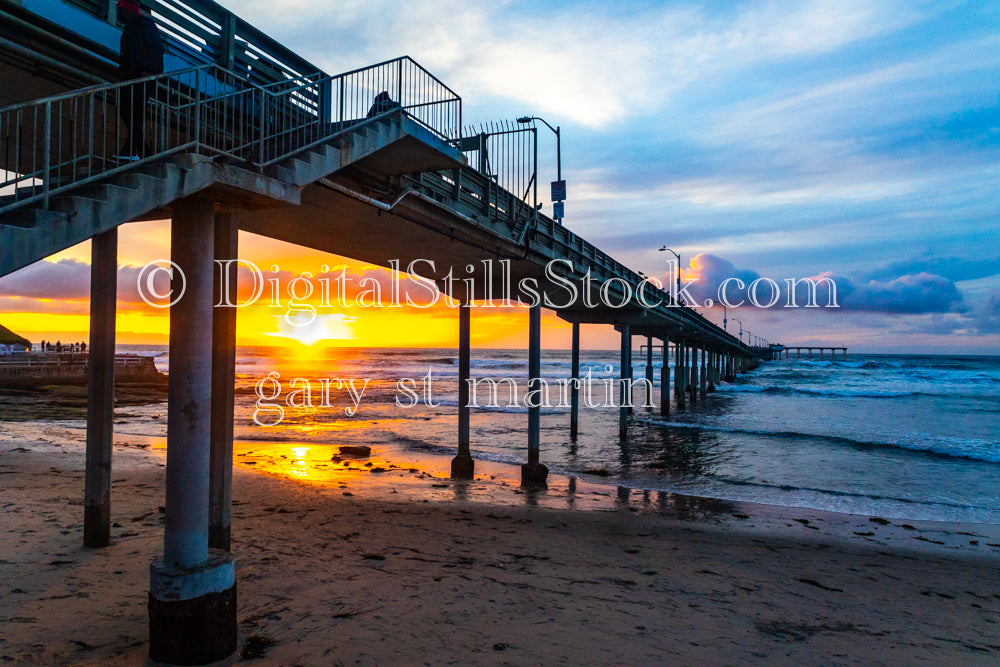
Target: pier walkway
(246, 135)
(809, 351)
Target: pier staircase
(254, 146)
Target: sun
(308, 328)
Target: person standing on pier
(141, 55)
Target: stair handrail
(349, 98)
(208, 110)
(75, 136)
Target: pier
(272, 145)
(786, 349)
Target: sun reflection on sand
(318, 464)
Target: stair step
(30, 218)
(104, 192)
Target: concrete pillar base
(463, 466)
(220, 536)
(192, 611)
(711, 388)
(534, 475)
(97, 525)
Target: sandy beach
(399, 565)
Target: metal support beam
(534, 473)
(574, 409)
(223, 379)
(693, 374)
(100, 389)
(680, 376)
(665, 380)
(625, 382)
(462, 466)
(649, 371)
(703, 385)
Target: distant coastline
(27, 370)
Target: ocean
(897, 436)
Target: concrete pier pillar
(625, 387)
(680, 374)
(693, 376)
(100, 389)
(703, 379)
(192, 590)
(665, 379)
(649, 371)
(462, 466)
(574, 408)
(713, 370)
(223, 378)
(534, 473)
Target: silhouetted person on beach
(141, 55)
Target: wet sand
(352, 565)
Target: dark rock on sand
(357, 451)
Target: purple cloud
(912, 294)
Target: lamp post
(741, 327)
(556, 209)
(675, 254)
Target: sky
(858, 141)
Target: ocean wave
(958, 448)
(773, 389)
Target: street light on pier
(675, 254)
(559, 186)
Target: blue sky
(859, 140)
(855, 140)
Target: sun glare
(309, 329)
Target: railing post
(399, 81)
(534, 132)
(340, 118)
(227, 42)
(260, 161)
(197, 108)
(46, 156)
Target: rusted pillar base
(192, 612)
(534, 476)
(97, 525)
(463, 466)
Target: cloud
(589, 62)
(907, 294)
(66, 279)
(915, 293)
(953, 268)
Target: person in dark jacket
(141, 56)
(383, 102)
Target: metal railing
(507, 155)
(202, 32)
(51, 145)
(347, 99)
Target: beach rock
(255, 647)
(357, 451)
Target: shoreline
(401, 566)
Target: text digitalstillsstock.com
(564, 287)
(272, 399)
